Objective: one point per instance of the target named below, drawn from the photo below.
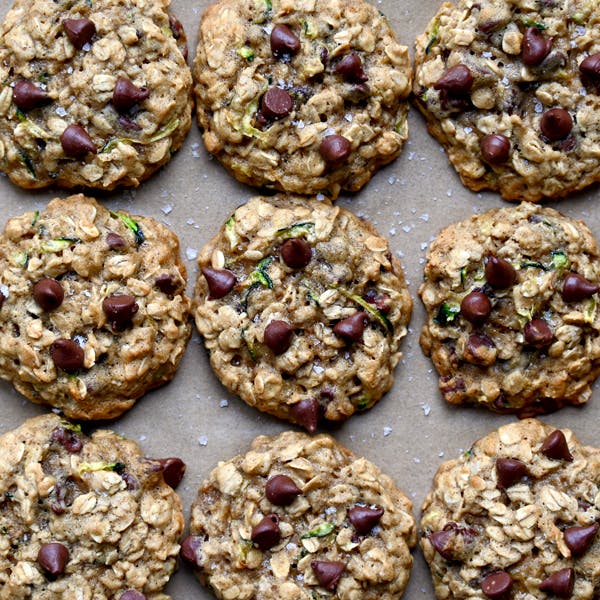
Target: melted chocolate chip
(48, 294)
(67, 355)
(296, 253)
(335, 149)
(351, 68)
(114, 241)
(499, 273)
(284, 42)
(68, 439)
(119, 310)
(53, 558)
(556, 124)
(351, 328)
(364, 518)
(445, 540)
(496, 585)
(555, 446)
(537, 333)
(132, 595)
(480, 350)
(306, 413)
(281, 490)
(559, 584)
(173, 470)
(126, 95)
(590, 66)
(495, 148)
(79, 31)
(577, 288)
(76, 142)
(166, 283)
(579, 539)
(189, 550)
(278, 336)
(220, 282)
(509, 471)
(28, 96)
(476, 307)
(328, 572)
(267, 533)
(457, 80)
(276, 104)
(535, 47)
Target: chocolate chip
(67, 355)
(328, 572)
(495, 148)
(535, 47)
(119, 310)
(220, 282)
(590, 66)
(382, 302)
(79, 31)
(579, 539)
(351, 68)
(281, 490)
(577, 288)
(76, 142)
(126, 95)
(476, 307)
(537, 333)
(496, 585)
(278, 336)
(266, 534)
(2, 299)
(509, 471)
(166, 283)
(556, 124)
(130, 481)
(352, 327)
(28, 96)
(284, 42)
(296, 253)
(364, 518)
(559, 584)
(114, 241)
(457, 80)
(48, 294)
(276, 104)
(442, 542)
(53, 558)
(189, 550)
(132, 595)
(555, 446)
(172, 470)
(499, 273)
(306, 412)
(480, 350)
(335, 148)
(179, 34)
(68, 439)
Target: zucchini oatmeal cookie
(512, 317)
(511, 90)
(85, 517)
(302, 307)
(95, 94)
(301, 96)
(517, 517)
(92, 307)
(297, 518)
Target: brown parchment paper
(408, 433)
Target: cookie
(300, 517)
(95, 94)
(512, 310)
(511, 88)
(92, 307)
(84, 514)
(516, 517)
(302, 307)
(302, 97)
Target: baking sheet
(408, 433)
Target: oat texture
(314, 527)
(92, 254)
(512, 87)
(234, 67)
(495, 363)
(133, 40)
(99, 498)
(520, 529)
(351, 270)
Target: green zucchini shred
(321, 530)
(371, 310)
(132, 225)
(446, 314)
(295, 230)
(26, 159)
(246, 52)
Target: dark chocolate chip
(128, 124)
(130, 481)
(535, 47)
(579, 539)
(335, 148)
(119, 310)
(126, 95)
(509, 471)
(76, 142)
(48, 294)
(495, 148)
(496, 585)
(382, 302)
(352, 327)
(364, 518)
(577, 288)
(2, 299)
(179, 34)
(328, 572)
(537, 333)
(281, 490)
(53, 558)
(166, 283)
(296, 253)
(68, 439)
(278, 336)
(590, 66)
(266, 534)
(476, 307)
(114, 241)
(189, 550)
(276, 104)
(442, 542)
(556, 124)
(499, 273)
(67, 355)
(555, 446)
(480, 350)
(284, 42)
(28, 96)
(351, 68)
(172, 470)
(132, 595)
(457, 80)
(306, 412)
(220, 282)
(79, 31)
(559, 584)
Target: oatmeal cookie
(94, 94)
(301, 96)
(512, 310)
(516, 517)
(92, 307)
(84, 517)
(511, 89)
(302, 307)
(297, 518)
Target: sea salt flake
(224, 403)
(60, 111)
(203, 440)
(167, 209)
(191, 253)
(387, 431)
